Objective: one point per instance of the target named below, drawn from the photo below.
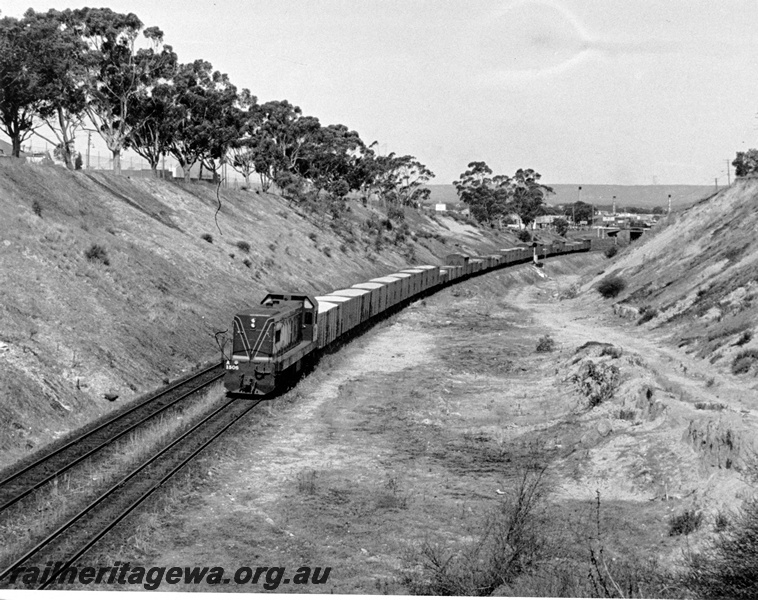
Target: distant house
(440, 207)
(545, 221)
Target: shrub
(647, 313)
(396, 213)
(611, 252)
(328, 251)
(244, 246)
(744, 338)
(97, 253)
(207, 237)
(612, 351)
(312, 235)
(524, 235)
(597, 382)
(744, 361)
(627, 414)
(561, 226)
(546, 344)
(247, 263)
(37, 208)
(508, 542)
(611, 286)
(685, 523)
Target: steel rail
(111, 491)
(98, 536)
(69, 465)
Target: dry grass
(62, 498)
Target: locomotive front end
(266, 341)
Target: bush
(561, 226)
(744, 361)
(37, 208)
(647, 313)
(207, 237)
(727, 566)
(611, 252)
(97, 253)
(597, 382)
(244, 246)
(313, 236)
(507, 544)
(328, 251)
(396, 213)
(685, 523)
(247, 263)
(744, 338)
(546, 344)
(524, 235)
(611, 286)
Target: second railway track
(78, 534)
(20, 483)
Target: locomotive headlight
(236, 362)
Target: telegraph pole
(89, 143)
(669, 204)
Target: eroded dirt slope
(145, 306)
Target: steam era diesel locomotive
(272, 342)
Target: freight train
(270, 344)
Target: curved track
(19, 484)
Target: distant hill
(644, 196)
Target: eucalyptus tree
(59, 71)
(243, 150)
(116, 69)
(286, 134)
(20, 96)
(527, 194)
(151, 132)
(204, 118)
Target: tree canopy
(492, 198)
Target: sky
(584, 91)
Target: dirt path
(578, 321)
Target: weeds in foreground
(507, 544)
(727, 567)
(207, 237)
(686, 523)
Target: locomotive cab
(265, 340)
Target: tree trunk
(116, 161)
(16, 146)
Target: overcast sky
(584, 91)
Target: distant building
(440, 207)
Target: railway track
(77, 535)
(19, 484)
